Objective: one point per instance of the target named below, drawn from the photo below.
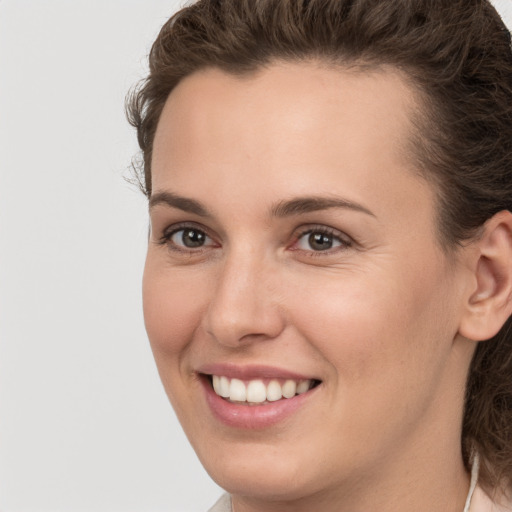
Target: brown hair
(457, 53)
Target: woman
(328, 282)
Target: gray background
(84, 422)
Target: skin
(383, 321)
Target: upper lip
(249, 372)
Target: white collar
(475, 467)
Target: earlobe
(489, 303)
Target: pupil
(320, 241)
(193, 238)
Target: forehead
(289, 101)
(289, 128)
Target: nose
(245, 304)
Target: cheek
(386, 342)
(172, 311)
(382, 328)
(172, 314)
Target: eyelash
(345, 242)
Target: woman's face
(293, 249)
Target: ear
(489, 299)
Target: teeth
(237, 391)
(216, 384)
(274, 391)
(221, 386)
(224, 387)
(303, 386)
(256, 392)
(289, 388)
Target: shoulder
(223, 504)
(482, 502)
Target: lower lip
(253, 416)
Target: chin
(267, 472)
(280, 483)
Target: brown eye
(319, 241)
(190, 238)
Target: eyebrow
(181, 203)
(295, 206)
(300, 205)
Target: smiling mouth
(259, 391)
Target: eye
(190, 238)
(321, 239)
(186, 239)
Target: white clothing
(222, 505)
